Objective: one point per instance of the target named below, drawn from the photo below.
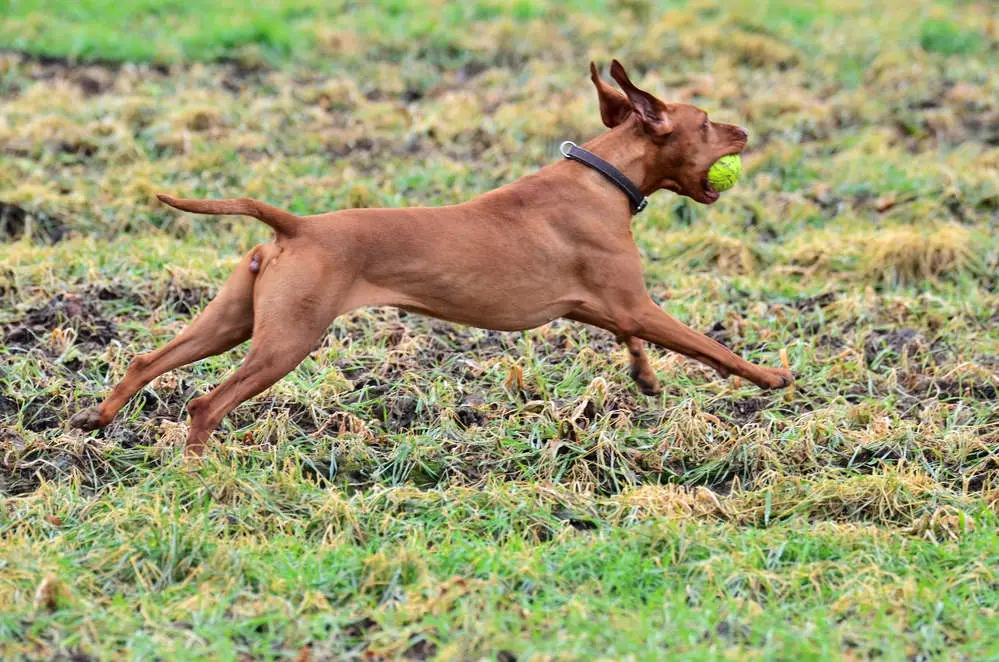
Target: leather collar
(574, 152)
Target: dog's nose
(742, 132)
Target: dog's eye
(704, 125)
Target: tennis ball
(725, 172)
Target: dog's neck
(625, 148)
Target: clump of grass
(758, 50)
(820, 253)
(938, 35)
(896, 497)
(198, 118)
(703, 251)
(905, 255)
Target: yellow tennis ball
(725, 172)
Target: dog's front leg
(648, 322)
(655, 325)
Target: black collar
(571, 150)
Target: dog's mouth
(708, 191)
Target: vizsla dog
(553, 244)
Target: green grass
(269, 32)
(250, 557)
(395, 497)
(938, 36)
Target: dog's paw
(646, 382)
(648, 387)
(771, 378)
(86, 420)
(194, 452)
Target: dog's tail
(283, 223)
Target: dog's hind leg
(225, 322)
(293, 306)
(641, 368)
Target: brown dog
(553, 244)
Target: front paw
(86, 420)
(771, 378)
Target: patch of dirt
(361, 627)
(186, 300)
(112, 292)
(719, 333)
(950, 390)
(15, 221)
(26, 461)
(8, 407)
(40, 415)
(867, 459)
(403, 412)
(93, 77)
(472, 411)
(97, 76)
(23, 467)
(890, 347)
(817, 301)
(77, 656)
(421, 649)
(318, 470)
(831, 345)
(64, 311)
(10, 440)
(578, 521)
(741, 410)
(983, 476)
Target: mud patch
(720, 333)
(817, 301)
(93, 77)
(954, 390)
(186, 300)
(471, 412)
(983, 476)
(865, 460)
(26, 461)
(361, 627)
(17, 222)
(77, 656)
(39, 415)
(421, 649)
(62, 314)
(890, 347)
(8, 407)
(741, 411)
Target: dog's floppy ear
(614, 106)
(651, 110)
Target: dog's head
(682, 143)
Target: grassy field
(421, 490)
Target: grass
(421, 490)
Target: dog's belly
(501, 309)
(494, 320)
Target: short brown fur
(553, 244)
